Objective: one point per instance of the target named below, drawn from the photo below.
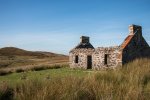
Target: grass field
(130, 82)
(42, 75)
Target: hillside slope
(13, 51)
(15, 57)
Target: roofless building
(85, 56)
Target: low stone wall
(114, 57)
(98, 56)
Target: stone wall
(82, 57)
(98, 57)
(114, 57)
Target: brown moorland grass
(130, 82)
(21, 61)
(12, 57)
(6, 71)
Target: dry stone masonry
(85, 56)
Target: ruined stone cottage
(85, 56)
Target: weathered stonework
(82, 57)
(113, 59)
(85, 56)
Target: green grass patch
(41, 75)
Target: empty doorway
(89, 62)
(76, 59)
(106, 59)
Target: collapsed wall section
(107, 57)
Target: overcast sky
(56, 25)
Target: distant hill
(13, 51)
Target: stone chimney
(134, 29)
(84, 39)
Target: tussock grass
(6, 93)
(38, 68)
(130, 82)
(7, 71)
(19, 70)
